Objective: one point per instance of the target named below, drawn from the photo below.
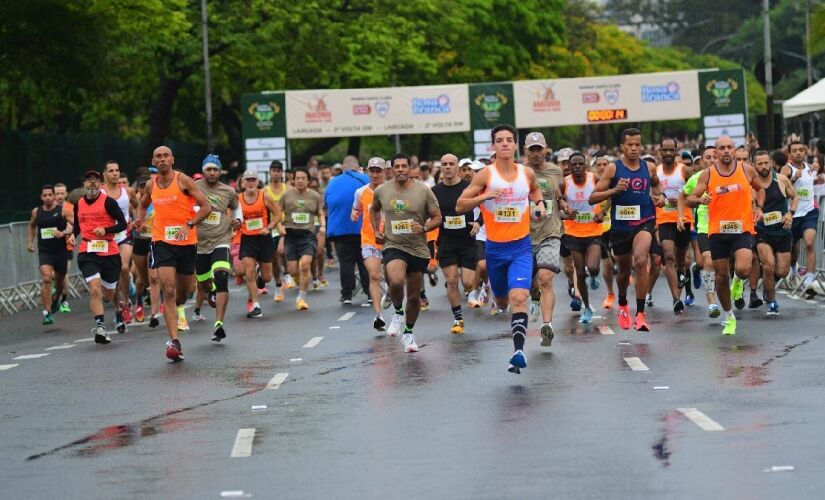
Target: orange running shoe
(640, 324)
(301, 304)
(624, 317)
(608, 301)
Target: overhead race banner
(724, 105)
(385, 111)
(621, 98)
(490, 105)
(263, 124)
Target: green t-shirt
(702, 211)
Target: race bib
(275, 233)
(455, 222)
(584, 217)
(771, 218)
(730, 227)
(804, 194)
(300, 217)
(628, 212)
(146, 232)
(170, 232)
(213, 219)
(670, 206)
(120, 236)
(254, 224)
(97, 246)
(507, 214)
(401, 226)
(47, 233)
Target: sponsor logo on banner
(382, 108)
(491, 104)
(546, 99)
(661, 93)
(722, 91)
(426, 106)
(264, 113)
(611, 96)
(590, 97)
(361, 109)
(317, 111)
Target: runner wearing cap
(256, 236)
(97, 219)
(215, 239)
(126, 200)
(370, 249)
(504, 191)
(174, 238)
(545, 234)
(50, 226)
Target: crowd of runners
(713, 218)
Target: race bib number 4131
(507, 214)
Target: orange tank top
(367, 234)
(584, 224)
(255, 215)
(507, 217)
(173, 208)
(672, 185)
(730, 210)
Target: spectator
(344, 233)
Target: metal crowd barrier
(19, 274)
(793, 285)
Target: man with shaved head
(456, 239)
(733, 209)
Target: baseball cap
(375, 162)
(249, 174)
(535, 139)
(211, 161)
(564, 154)
(465, 161)
(153, 170)
(687, 156)
(477, 165)
(93, 173)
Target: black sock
(99, 320)
(518, 324)
(622, 300)
(640, 305)
(457, 312)
(688, 288)
(399, 310)
(408, 328)
(753, 293)
(197, 311)
(139, 299)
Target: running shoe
(458, 327)
(623, 316)
(608, 301)
(316, 284)
(197, 316)
(773, 308)
(323, 281)
(330, 264)
(547, 335)
(64, 307)
(239, 279)
(120, 326)
(255, 313)
(263, 291)
(153, 321)
(183, 325)
(730, 327)
(472, 300)
(678, 306)
(576, 305)
(249, 305)
(55, 306)
(697, 276)
(690, 300)
(126, 312)
(140, 313)
(433, 277)
(517, 362)
(174, 350)
(737, 293)
(396, 325)
(714, 311)
(755, 302)
(347, 301)
(587, 315)
(100, 335)
(48, 319)
(485, 295)
(425, 304)
(212, 298)
(408, 340)
(649, 300)
(535, 310)
(378, 323)
(219, 333)
(495, 310)
(682, 280)
(301, 304)
(595, 282)
(640, 325)
(289, 283)
(386, 301)
(279, 295)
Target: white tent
(808, 101)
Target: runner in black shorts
(49, 224)
(301, 206)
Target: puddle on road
(734, 361)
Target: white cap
(477, 165)
(564, 154)
(464, 161)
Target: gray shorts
(368, 251)
(298, 243)
(547, 254)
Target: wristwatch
(190, 224)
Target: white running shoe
(396, 325)
(534, 311)
(409, 343)
(197, 316)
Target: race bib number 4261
(401, 226)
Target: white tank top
(577, 196)
(123, 203)
(804, 189)
(672, 184)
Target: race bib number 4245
(730, 227)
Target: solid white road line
(235, 494)
(83, 340)
(636, 364)
(703, 421)
(7, 367)
(243, 443)
(313, 342)
(32, 356)
(277, 380)
(606, 330)
(64, 346)
(346, 316)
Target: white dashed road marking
(703, 421)
(606, 330)
(277, 380)
(346, 316)
(64, 346)
(243, 443)
(83, 340)
(32, 356)
(636, 364)
(7, 367)
(313, 342)
(336, 327)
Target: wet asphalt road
(355, 417)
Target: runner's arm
(472, 195)
(187, 185)
(76, 227)
(602, 191)
(375, 213)
(655, 186)
(133, 198)
(273, 207)
(32, 226)
(790, 192)
(320, 214)
(434, 211)
(113, 209)
(698, 196)
(145, 201)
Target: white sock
(729, 314)
(255, 304)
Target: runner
(773, 232)
(456, 238)
(98, 218)
(300, 205)
(504, 191)
(409, 209)
(146, 277)
(480, 296)
(583, 230)
(725, 187)
(49, 224)
(599, 163)
(632, 186)
(545, 234)
(256, 237)
(370, 250)
(274, 189)
(126, 200)
(215, 239)
(60, 193)
(674, 237)
(174, 238)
